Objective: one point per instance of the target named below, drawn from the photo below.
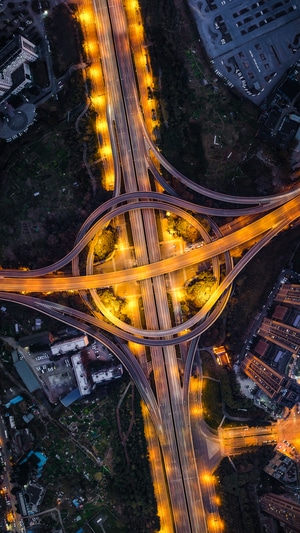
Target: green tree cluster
(182, 228)
(234, 400)
(212, 403)
(105, 244)
(65, 52)
(114, 304)
(237, 489)
(181, 140)
(200, 288)
(231, 392)
(131, 484)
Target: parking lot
(250, 45)
(57, 377)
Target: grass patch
(208, 365)
(212, 403)
(47, 188)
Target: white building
(87, 383)
(84, 385)
(69, 345)
(15, 54)
(107, 375)
(5, 85)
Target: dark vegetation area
(236, 485)
(59, 24)
(192, 97)
(202, 122)
(178, 135)
(161, 25)
(119, 484)
(131, 484)
(222, 395)
(253, 286)
(46, 189)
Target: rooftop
(251, 44)
(27, 376)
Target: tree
(183, 229)
(200, 289)
(105, 243)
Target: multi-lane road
(132, 150)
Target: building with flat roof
(71, 397)
(289, 293)
(283, 508)
(15, 53)
(251, 44)
(86, 380)
(83, 381)
(109, 374)
(262, 348)
(15, 122)
(36, 341)
(14, 75)
(280, 312)
(284, 469)
(278, 387)
(27, 376)
(279, 123)
(281, 334)
(72, 344)
(30, 498)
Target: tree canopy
(105, 243)
(200, 288)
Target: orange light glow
(131, 305)
(10, 517)
(180, 294)
(196, 410)
(109, 182)
(99, 102)
(95, 72)
(208, 479)
(101, 124)
(92, 47)
(215, 523)
(106, 151)
(133, 5)
(137, 349)
(86, 16)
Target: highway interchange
(133, 154)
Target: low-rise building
(289, 293)
(27, 376)
(283, 469)
(72, 344)
(30, 498)
(109, 374)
